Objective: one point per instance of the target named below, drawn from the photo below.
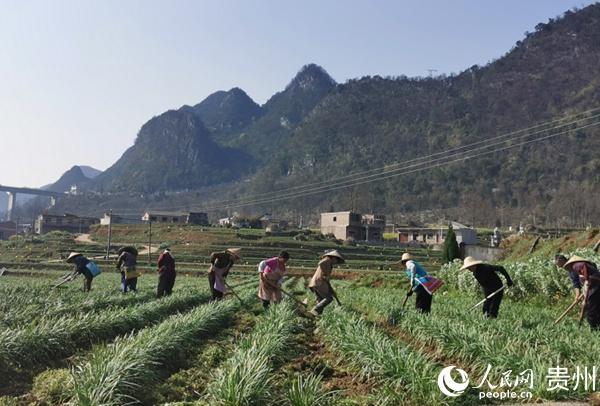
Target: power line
(311, 189)
(388, 170)
(390, 167)
(392, 174)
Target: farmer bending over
(80, 263)
(272, 271)
(560, 261)
(166, 273)
(320, 283)
(221, 263)
(420, 283)
(588, 272)
(487, 277)
(127, 263)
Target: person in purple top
(272, 271)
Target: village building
(348, 225)
(436, 235)
(197, 218)
(225, 221)
(268, 222)
(119, 219)
(71, 223)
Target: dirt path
(85, 239)
(144, 251)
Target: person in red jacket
(166, 273)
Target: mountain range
(317, 130)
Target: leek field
(60, 346)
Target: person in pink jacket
(271, 277)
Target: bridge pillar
(11, 205)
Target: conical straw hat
(469, 262)
(236, 252)
(336, 254)
(575, 258)
(73, 255)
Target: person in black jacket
(166, 274)
(487, 276)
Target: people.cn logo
(448, 385)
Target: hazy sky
(79, 78)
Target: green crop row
(56, 338)
(530, 277)
(522, 338)
(115, 374)
(246, 377)
(407, 376)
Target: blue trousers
(128, 283)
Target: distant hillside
(227, 113)
(285, 110)
(89, 172)
(73, 177)
(173, 151)
(221, 139)
(317, 130)
(79, 176)
(373, 121)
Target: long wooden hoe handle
(587, 297)
(304, 308)
(235, 294)
(564, 314)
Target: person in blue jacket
(80, 263)
(414, 270)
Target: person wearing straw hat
(272, 271)
(127, 264)
(418, 277)
(220, 265)
(589, 274)
(487, 276)
(320, 283)
(560, 261)
(166, 273)
(80, 263)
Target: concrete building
(119, 219)
(67, 222)
(165, 217)
(346, 225)
(267, 221)
(436, 235)
(176, 217)
(374, 226)
(7, 229)
(225, 221)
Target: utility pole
(149, 242)
(109, 233)
(431, 72)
